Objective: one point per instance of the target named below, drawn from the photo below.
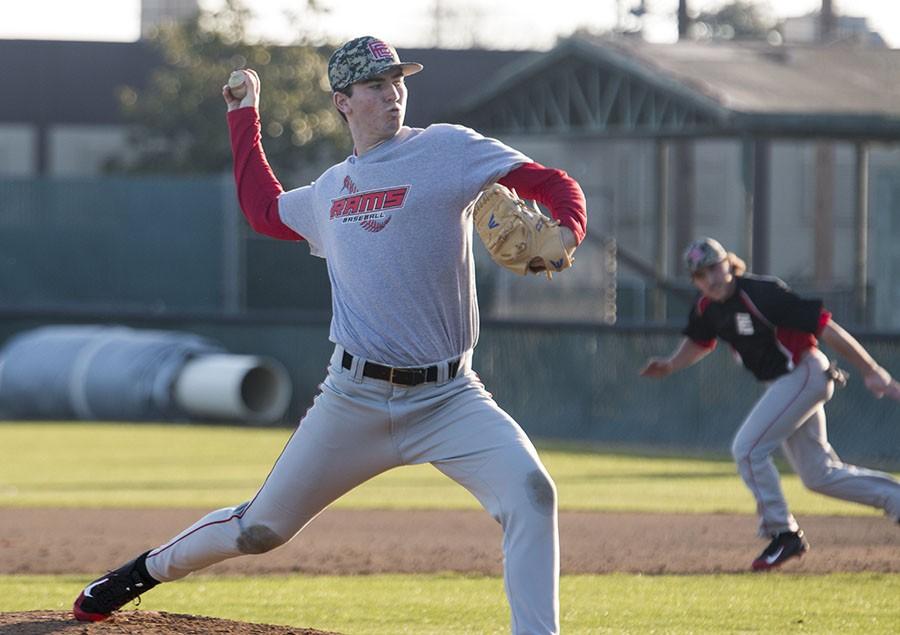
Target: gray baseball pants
(791, 414)
(359, 427)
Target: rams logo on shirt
(368, 208)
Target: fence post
(234, 270)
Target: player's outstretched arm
(257, 187)
(687, 354)
(876, 378)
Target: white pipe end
(240, 387)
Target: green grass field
(127, 465)
(115, 465)
(863, 604)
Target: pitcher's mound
(138, 623)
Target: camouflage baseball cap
(362, 58)
(703, 252)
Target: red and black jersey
(767, 325)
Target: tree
(737, 20)
(178, 117)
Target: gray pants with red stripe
(359, 427)
(791, 414)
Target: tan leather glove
(518, 236)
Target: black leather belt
(402, 376)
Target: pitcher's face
(378, 105)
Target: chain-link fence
(175, 254)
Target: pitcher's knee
(541, 492)
(258, 539)
(739, 451)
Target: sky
(532, 24)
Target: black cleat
(784, 546)
(112, 591)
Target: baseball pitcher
(394, 222)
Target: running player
(774, 332)
(394, 223)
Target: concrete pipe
(241, 387)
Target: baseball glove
(518, 236)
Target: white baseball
(237, 83)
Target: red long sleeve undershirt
(555, 189)
(258, 189)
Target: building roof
(58, 81)
(69, 81)
(450, 76)
(681, 88)
(754, 77)
(632, 87)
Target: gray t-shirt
(395, 227)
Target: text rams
(368, 203)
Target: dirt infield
(345, 542)
(44, 541)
